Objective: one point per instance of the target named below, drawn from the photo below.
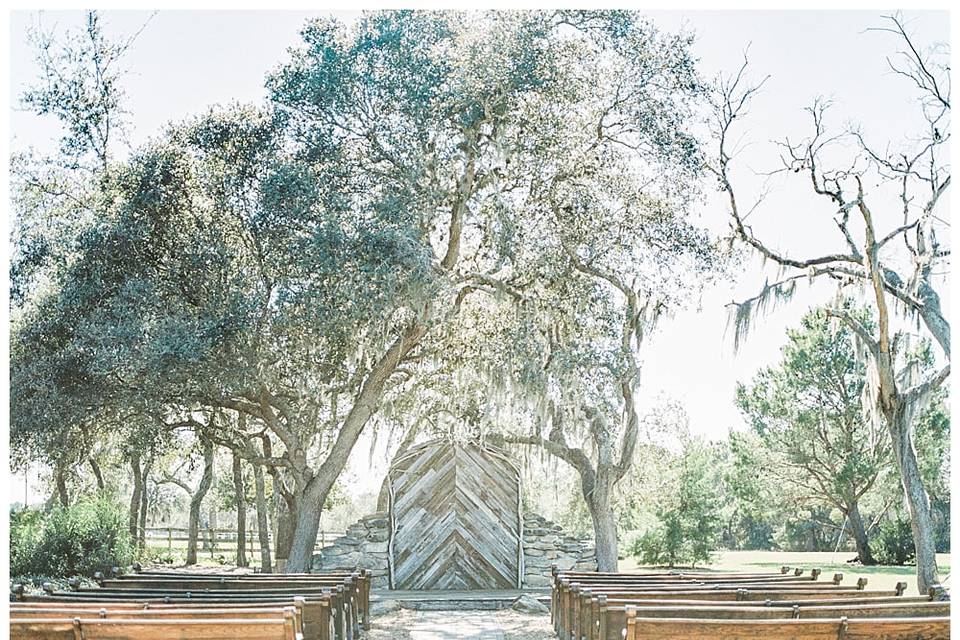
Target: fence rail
(214, 539)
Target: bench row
(597, 606)
(572, 591)
(326, 606)
(931, 628)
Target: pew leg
(581, 629)
(563, 614)
(338, 626)
(577, 615)
(325, 622)
(594, 620)
(355, 614)
(553, 607)
(354, 617)
(347, 622)
(366, 606)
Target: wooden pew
(566, 598)
(163, 573)
(628, 580)
(173, 613)
(575, 605)
(347, 601)
(357, 597)
(323, 617)
(108, 629)
(664, 579)
(930, 628)
(608, 622)
(784, 570)
(362, 577)
(803, 582)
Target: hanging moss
(741, 316)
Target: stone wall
(544, 543)
(364, 546)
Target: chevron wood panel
(455, 518)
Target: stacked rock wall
(544, 543)
(363, 547)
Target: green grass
(878, 577)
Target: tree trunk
(283, 524)
(240, 499)
(263, 526)
(859, 534)
(383, 498)
(97, 474)
(306, 524)
(597, 494)
(918, 503)
(60, 479)
(135, 498)
(196, 501)
(144, 504)
(317, 488)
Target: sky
(185, 62)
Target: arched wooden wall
(455, 518)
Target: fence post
(213, 541)
(170, 541)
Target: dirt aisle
(461, 625)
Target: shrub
(689, 518)
(894, 541)
(651, 547)
(81, 539)
(26, 526)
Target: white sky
(185, 62)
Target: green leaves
(82, 539)
(689, 514)
(807, 414)
(437, 168)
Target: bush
(689, 518)
(26, 526)
(78, 540)
(894, 542)
(652, 547)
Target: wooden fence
(218, 540)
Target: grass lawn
(879, 577)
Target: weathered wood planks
(454, 519)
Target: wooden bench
(171, 613)
(626, 578)
(343, 600)
(322, 618)
(608, 622)
(567, 597)
(562, 580)
(357, 597)
(571, 589)
(784, 570)
(109, 629)
(575, 604)
(361, 578)
(931, 628)
(178, 573)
